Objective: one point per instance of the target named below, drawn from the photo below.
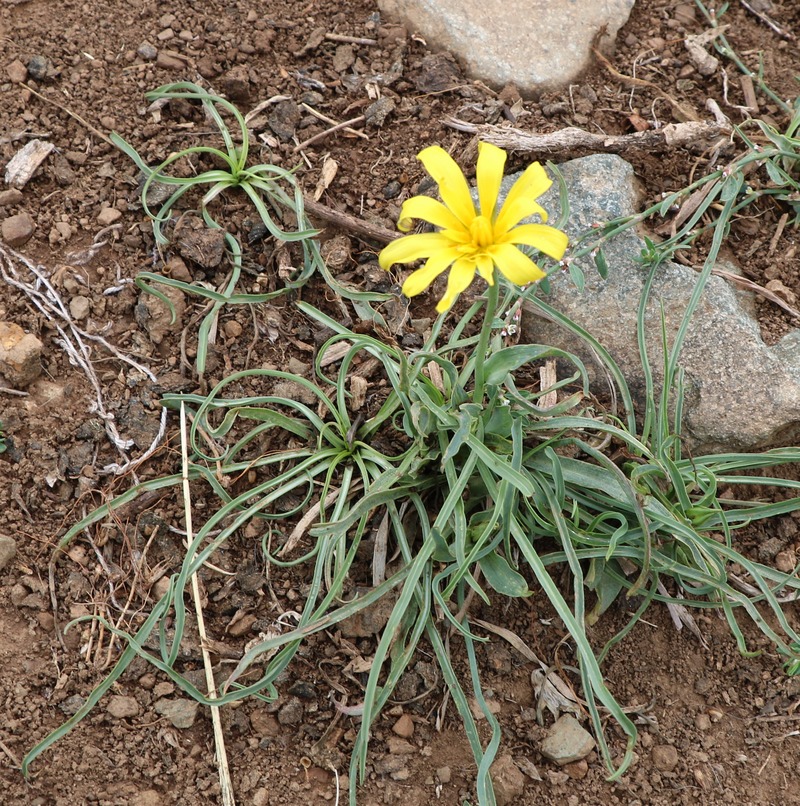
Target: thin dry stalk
(226, 786)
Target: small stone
(204, 246)
(17, 72)
(567, 741)
(64, 230)
(291, 713)
(399, 747)
(150, 797)
(147, 51)
(577, 770)
(377, 112)
(404, 727)
(8, 548)
(155, 317)
(38, 67)
(167, 62)
(264, 724)
(79, 307)
(163, 689)
(392, 189)
(665, 757)
(439, 73)
(243, 625)
(10, 197)
(236, 84)
(508, 780)
(164, 35)
(304, 690)
(108, 216)
(702, 722)
(785, 561)
(176, 268)
(284, 118)
(181, 713)
(369, 620)
(121, 707)
(343, 58)
(17, 229)
(444, 774)
(232, 329)
(262, 796)
(20, 355)
(147, 681)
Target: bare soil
(731, 720)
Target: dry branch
(571, 139)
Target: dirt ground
(716, 728)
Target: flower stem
(482, 349)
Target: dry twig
(673, 135)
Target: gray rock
(729, 371)
(147, 51)
(181, 713)
(38, 67)
(567, 741)
(17, 230)
(8, 549)
(20, 355)
(534, 43)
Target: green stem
(483, 342)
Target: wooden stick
(352, 40)
(336, 128)
(349, 222)
(672, 135)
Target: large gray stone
(740, 394)
(537, 44)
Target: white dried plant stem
(226, 786)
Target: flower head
(470, 241)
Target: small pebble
(702, 722)
(404, 727)
(17, 72)
(121, 707)
(10, 196)
(108, 216)
(38, 67)
(17, 229)
(444, 774)
(147, 51)
(665, 757)
(8, 548)
(79, 307)
(232, 329)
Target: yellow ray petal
(418, 281)
(491, 162)
(427, 209)
(453, 187)
(521, 200)
(459, 278)
(515, 266)
(485, 266)
(546, 239)
(413, 247)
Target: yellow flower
(470, 241)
